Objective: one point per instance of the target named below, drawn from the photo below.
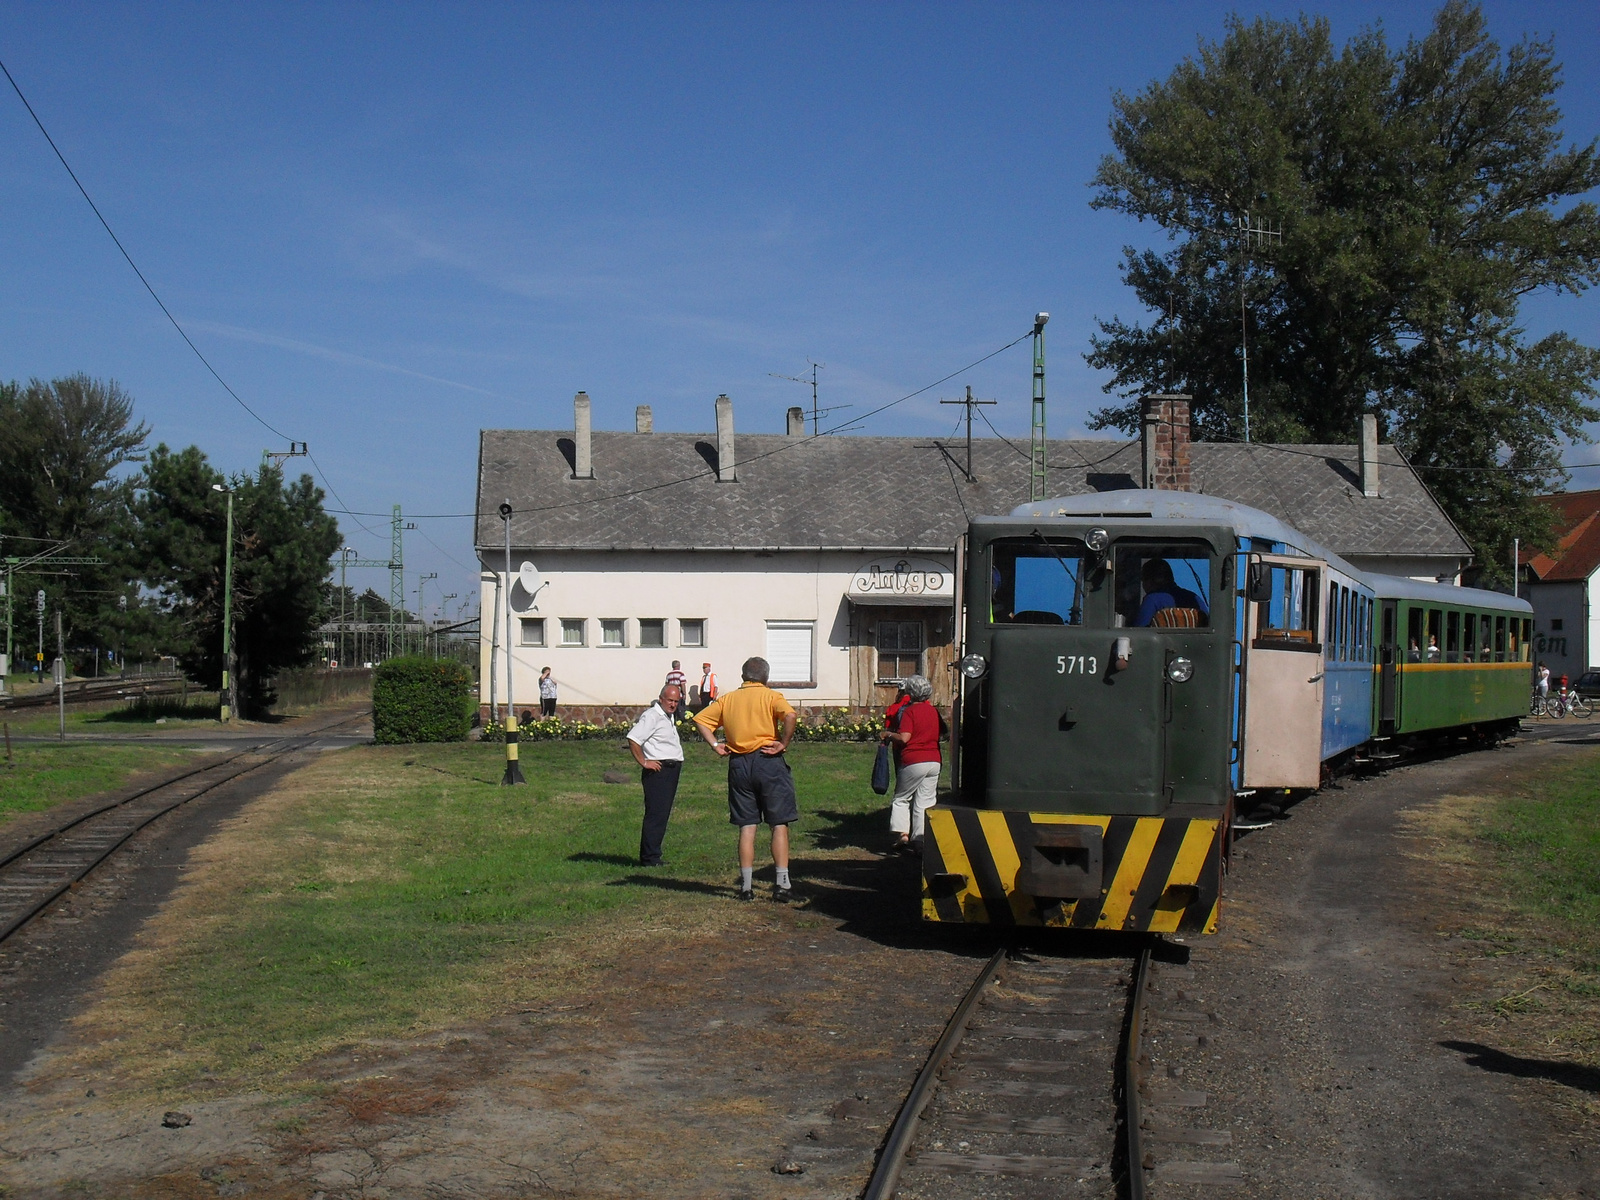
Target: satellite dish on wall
(528, 577)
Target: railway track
(1040, 1086)
(88, 690)
(37, 873)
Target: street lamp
(229, 698)
(513, 773)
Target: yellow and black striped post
(513, 773)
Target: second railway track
(1040, 1087)
(41, 870)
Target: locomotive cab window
(1038, 582)
(1163, 585)
(1288, 619)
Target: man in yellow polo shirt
(759, 783)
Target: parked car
(1588, 685)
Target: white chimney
(725, 462)
(582, 423)
(643, 422)
(797, 422)
(1369, 455)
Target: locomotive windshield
(1038, 582)
(1163, 584)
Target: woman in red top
(915, 727)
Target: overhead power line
(84, 192)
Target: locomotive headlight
(973, 666)
(1180, 669)
(1097, 540)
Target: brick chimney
(582, 423)
(1166, 442)
(643, 422)
(797, 422)
(725, 462)
(1369, 455)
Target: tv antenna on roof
(816, 413)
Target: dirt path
(700, 1064)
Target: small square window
(692, 633)
(1555, 624)
(533, 631)
(614, 632)
(652, 632)
(572, 631)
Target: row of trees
(1420, 193)
(67, 453)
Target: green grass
(1545, 843)
(121, 718)
(42, 776)
(397, 888)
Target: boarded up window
(789, 652)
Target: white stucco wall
(1421, 568)
(735, 594)
(1564, 650)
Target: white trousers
(915, 788)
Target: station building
(833, 557)
(1561, 586)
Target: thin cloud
(311, 350)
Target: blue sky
(390, 226)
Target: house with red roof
(1562, 587)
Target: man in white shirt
(655, 746)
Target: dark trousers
(660, 789)
(547, 706)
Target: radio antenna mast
(816, 413)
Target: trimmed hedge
(417, 699)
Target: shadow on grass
(864, 831)
(1570, 1074)
(613, 860)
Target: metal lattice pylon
(397, 582)
(1036, 481)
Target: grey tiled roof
(901, 493)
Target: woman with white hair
(915, 728)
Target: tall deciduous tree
(61, 446)
(1420, 194)
(283, 540)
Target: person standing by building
(1543, 683)
(708, 686)
(760, 786)
(655, 746)
(676, 678)
(547, 694)
(915, 729)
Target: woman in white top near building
(654, 743)
(547, 694)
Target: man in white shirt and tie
(655, 746)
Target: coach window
(1332, 636)
(1469, 637)
(1514, 643)
(1485, 638)
(1289, 619)
(1038, 582)
(1413, 635)
(1499, 639)
(1527, 639)
(1452, 637)
(1435, 634)
(1163, 585)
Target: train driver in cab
(1165, 603)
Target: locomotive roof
(1253, 523)
(656, 491)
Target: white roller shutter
(789, 648)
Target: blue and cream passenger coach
(1137, 662)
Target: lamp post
(513, 773)
(229, 698)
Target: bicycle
(1538, 705)
(1569, 705)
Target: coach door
(1283, 673)
(1388, 672)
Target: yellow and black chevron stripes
(1161, 875)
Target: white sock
(747, 878)
(783, 877)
